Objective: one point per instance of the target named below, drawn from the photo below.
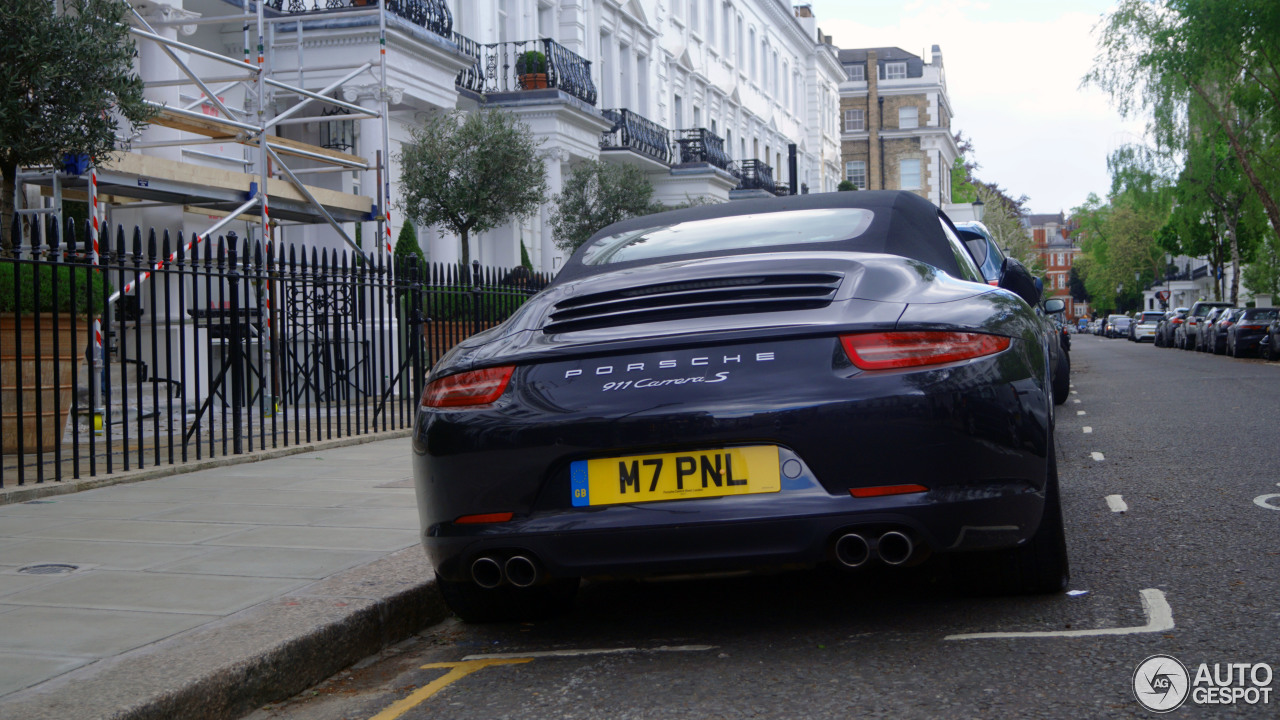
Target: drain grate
(49, 569)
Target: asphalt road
(1188, 569)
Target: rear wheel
(1038, 566)
(506, 603)
(1062, 380)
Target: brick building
(1051, 237)
(896, 122)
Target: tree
(846, 186)
(68, 85)
(471, 172)
(407, 243)
(1075, 283)
(598, 194)
(1197, 65)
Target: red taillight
(888, 350)
(1252, 327)
(882, 490)
(484, 518)
(1176, 321)
(476, 387)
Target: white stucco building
(707, 96)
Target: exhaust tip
(486, 572)
(852, 550)
(521, 571)
(895, 548)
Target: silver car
(1145, 326)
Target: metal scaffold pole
(386, 127)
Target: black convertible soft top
(903, 224)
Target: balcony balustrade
(700, 145)
(525, 65)
(433, 15)
(756, 175)
(638, 134)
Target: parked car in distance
(1165, 330)
(1269, 346)
(983, 248)
(740, 387)
(1205, 333)
(1118, 325)
(1249, 328)
(1187, 331)
(1144, 326)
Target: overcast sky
(1013, 74)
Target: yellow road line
(457, 671)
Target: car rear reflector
(484, 518)
(1252, 327)
(476, 387)
(1177, 321)
(889, 350)
(882, 490)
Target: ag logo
(1161, 683)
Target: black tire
(1267, 354)
(1216, 350)
(1037, 567)
(1062, 379)
(475, 604)
(1234, 350)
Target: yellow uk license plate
(675, 476)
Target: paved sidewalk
(209, 593)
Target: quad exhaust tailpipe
(894, 548)
(520, 570)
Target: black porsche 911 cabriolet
(760, 384)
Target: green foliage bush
(531, 62)
(36, 284)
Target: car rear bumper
(631, 541)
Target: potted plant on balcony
(49, 306)
(531, 69)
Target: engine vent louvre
(694, 299)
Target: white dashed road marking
(1117, 504)
(1097, 456)
(1075, 401)
(1087, 430)
(1159, 619)
(1080, 412)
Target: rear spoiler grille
(694, 299)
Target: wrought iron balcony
(637, 134)
(526, 65)
(700, 145)
(433, 15)
(756, 175)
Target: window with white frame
(855, 120)
(895, 71)
(751, 40)
(909, 174)
(908, 117)
(693, 15)
(856, 72)
(725, 29)
(711, 21)
(855, 171)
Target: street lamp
(978, 209)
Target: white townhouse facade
(707, 96)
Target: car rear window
(759, 230)
(1261, 314)
(1152, 316)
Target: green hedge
(27, 295)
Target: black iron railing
(638, 134)
(700, 145)
(433, 15)
(756, 175)
(526, 65)
(225, 347)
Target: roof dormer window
(895, 71)
(856, 72)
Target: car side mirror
(1015, 278)
(1053, 306)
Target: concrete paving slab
(18, 526)
(272, 562)
(119, 590)
(89, 633)
(134, 531)
(99, 553)
(404, 518)
(263, 478)
(324, 538)
(254, 514)
(347, 485)
(72, 506)
(22, 671)
(146, 492)
(12, 581)
(318, 498)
